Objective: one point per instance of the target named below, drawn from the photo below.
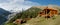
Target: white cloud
(16, 5)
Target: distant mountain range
(3, 15)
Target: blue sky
(47, 2)
(17, 5)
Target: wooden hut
(49, 12)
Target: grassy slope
(30, 13)
(38, 20)
(43, 21)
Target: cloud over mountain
(16, 5)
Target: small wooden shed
(49, 12)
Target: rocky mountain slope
(3, 15)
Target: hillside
(35, 19)
(3, 15)
(42, 21)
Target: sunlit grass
(43, 21)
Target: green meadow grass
(43, 21)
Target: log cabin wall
(49, 12)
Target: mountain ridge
(3, 15)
